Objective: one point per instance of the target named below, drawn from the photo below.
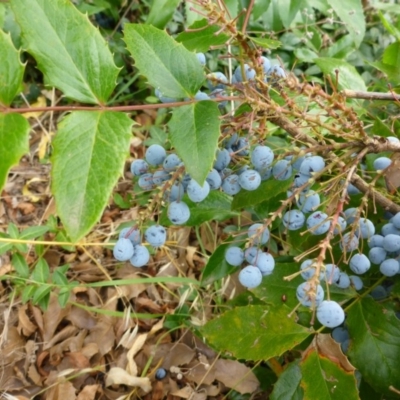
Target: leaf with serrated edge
(168, 65)
(324, 379)
(348, 77)
(69, 50)
(90, 149)
(288, 385)
(14, 142)
(194, 131)
(11, 70)
(375, 347)
(201, 40)
(351, 12)
(255, 332)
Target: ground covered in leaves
(108, 342)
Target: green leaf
(59, 277)
(194, 132)
(90, 149)
(288, 10)
(390, 27)
(254, 332)
(167, 65)
(69, 50)
(267, 190)
(11, 70)
(375, 346)
(260, 7)
(33, 232)
(41, 296)
(265, 42)
(324, 379)
(20, 265)
(352, 14)
(201, 40)
(391, 71)
(14, 142)
(41, 271)
(349, 78)
(288, 385)
(217, 267)
(161, 12)
(391, 56)
(27, 293)
(63, 296)
(13, 231)
(4, 246)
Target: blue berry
(250, 73)
(171, 162)
(340, 226)
(123, 249)
(265, 173)
(300, 180)
(230, 185)
(161, 373)
(306, 295)
(250, 277)
(311, 165)
(365, 229)
(343, 281)
(379, 293)
(391, 243)
(155, 154)
(223, 159)
(196, 192)
(375, 241)
(156, 235)
(258, 233)
(201, 96)
(214, 179)
(308, 202)
(216, 80)
(133, 234)
(293, 220)
(175, 193)
(282, 170)
(331, 273)
(382, 163)
(178, 212)
(266, 263)
(360, 264)
(349, 242)
(389, 267)
(351, 214)
(250, 180)
(396, 220)
(139, 167)
(202, 58)
(140, 257)
(234, 256)
(318, 223)
(145, 181)
(265, 63)
(262, 157)
(356, 282)
(389, 229)
(251, 254)
(277, 71)
(159, 177)
(340, 334)
(377, 255)
(330, 314)
(307, 271)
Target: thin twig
(355, 94)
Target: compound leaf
(194, 131)
(201, 40)
(352, 14)
(11, 70)
(288, 385)
(167, 65)
(324, 379)
(348, 77)
(255, 332)
(375, 348)
(14, 136)
(90, 149)
(69, 50)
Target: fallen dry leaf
(118, 376)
